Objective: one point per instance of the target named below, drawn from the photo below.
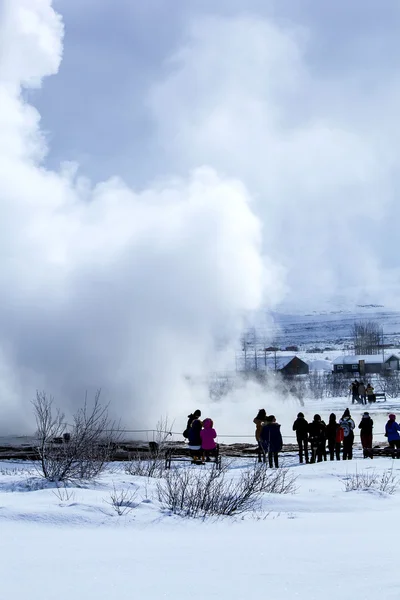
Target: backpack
(339, 435)
(346, 428)
(186, 433)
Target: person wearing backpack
(300, 426)
(392, 429)
(271, 440)
(348, 426)
(316, 430)
(332, 431)
(370, 393)
(366, 426)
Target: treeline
(316, 385)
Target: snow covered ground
(321, 542)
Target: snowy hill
(331, 327)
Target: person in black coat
(332, 437)
(271, 440)
(316, 431)
(191, 418)
(366, 426)
(300, 426)
(354, 392)
(195, 440)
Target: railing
(154, 435)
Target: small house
(364, 364)
(288, 365)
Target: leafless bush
(122, 501)
(360, 481)
(152, 464)
(191, 493)
(146, 465)
(163, 433)
(389, 382)
(386, 483)
(83, 453)
(63, 493)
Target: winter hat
(392, 417)
(270, 419)
(300, 416)
(366, 414)
(197, 413)
(317, 417)
(346, 413)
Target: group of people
(316, 439)
(269, 437)
(361, 392)
(201, 437)
(332, 435)
(320, 437)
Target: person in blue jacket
(271, 440)
(392, 429)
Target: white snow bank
(322, 540)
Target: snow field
(319, 542)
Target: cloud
(240, 95)
(102, 285)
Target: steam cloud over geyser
(103, 285)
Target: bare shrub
(389, 383)
(81, 454)
(386, 483)
(152, 464)
(63, 492)
(192, 493)
(122, 501)
(145, 465)
(360, 481)
(163, 433)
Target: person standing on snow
(366, 426)
(300, 426)
(369, 390)
(348, 426)
(271, 440)
(392, 429)
(316, 430)
(354, 391)
(362, 392)
(208, 435)
(259, 421)
(332, 436)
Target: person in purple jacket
(271, 440)
(208, 435)
(392, 429)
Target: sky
(170, 171)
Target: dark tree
(367, 337)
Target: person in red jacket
(208, 435)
